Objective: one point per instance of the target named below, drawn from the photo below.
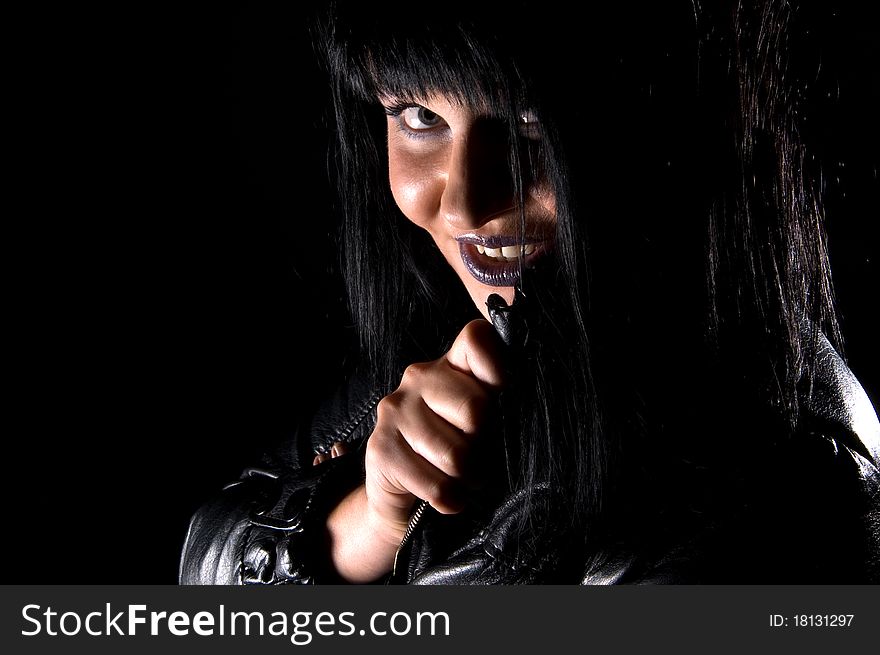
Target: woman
(589, 274)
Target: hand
(421, 448)
(423, 444)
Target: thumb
(477, 350)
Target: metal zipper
(410, 528)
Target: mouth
(496, 261)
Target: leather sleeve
(269, 527)
(844, 436)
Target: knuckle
(452, 459)
(470, 412)
(442, 495)
(435, 492)
(414, 373)
(389, 406)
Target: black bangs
(380, 51)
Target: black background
(172, 296)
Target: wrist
(388, 530)
(362, 542)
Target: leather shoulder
(838, 401)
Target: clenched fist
(421, 448)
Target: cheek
(415, 185)
(544, 196)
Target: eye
(417, 117)
(529, 125)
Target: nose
(479, 184)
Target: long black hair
(688, 230)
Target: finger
(441, 444)
(456, 397)
(427, 434)
(402, 471)
(477, 350)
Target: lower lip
(493, 272)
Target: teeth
(507, 253)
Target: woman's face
(450, 175)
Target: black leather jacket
(809, 511)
